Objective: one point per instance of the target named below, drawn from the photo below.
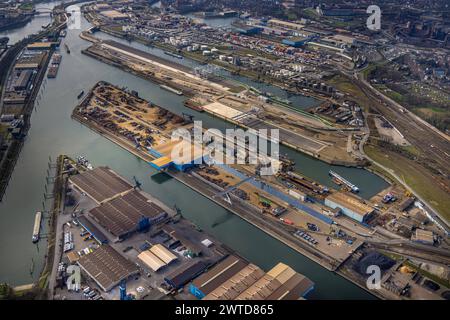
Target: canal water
(53, 132)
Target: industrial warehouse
(126, 234)
(234, 278)
(107, 267)
(101, 184)
(122, 209)
(350, 205)
(126, 214)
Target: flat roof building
(285, 24)
(423, 236)
(40, 46)
(350, 205)
(183, 275)
(107, 267)
(22, 81)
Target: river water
(53, 132)
(31, 27)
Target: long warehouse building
(236, 279)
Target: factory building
(100, 184)
(30, 60)
(93, 230)
(183, 275)
(122, 209)
(22, 81)
(41, 45)
(297, 41)
(350, 205)
(249, 30)
(236, 279)
(423, 236)
(217, 275)
(127, 214)
(107, 267)
(285, 24)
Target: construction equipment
(267, 203)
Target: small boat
(67, 48)
(80, 94)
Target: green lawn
(420, 180)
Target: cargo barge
(37, 227)
(306, 184)
(193, 106)
(173, 54)
(340, 180)
(54, 66)
(178, 92)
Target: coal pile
(373, 258)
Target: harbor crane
(137, 183)
(225, 193)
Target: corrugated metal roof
(238, 283)
(107, 267)
(220, 273)
(295, 287)
(151, 260)
(282, 272)
(351, 202)
(261, 289)
(162, 253)
(183, 275)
